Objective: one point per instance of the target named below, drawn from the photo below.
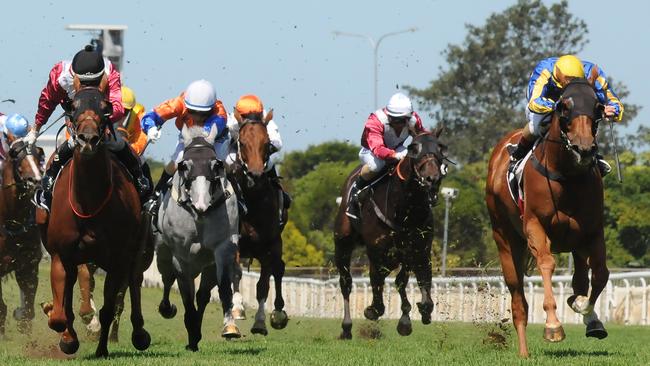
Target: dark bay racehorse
(563, 212)
(260, 227)
(396, 229)
(95, 217)
(20, 242)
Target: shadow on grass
(247, 351)
(576, 353)
(132, 354)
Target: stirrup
(604, 167)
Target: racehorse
(261, 226)
(396, 229)
(198, 223)
(562, 212)
(20, 242)
(95, 217)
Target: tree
(297, 252)
(480, 95)
(298, 163)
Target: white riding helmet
(399, 105)
(200, 96)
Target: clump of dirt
(370, 330)
(35, 349)
(496, 334)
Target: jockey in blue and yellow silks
(545, 88)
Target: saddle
(366, 196)
(515, 179)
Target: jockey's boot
(153, 204)
(518, 151)
(603, 165)
(43, 196)
(354, 210)
(132, 164)
(285, 198)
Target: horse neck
(552, 153)
(9, 190)
(407, 194)
(91, 178)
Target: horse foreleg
(343, 255)
(208, 281)
(86, 311)
(164, 263)
(115, 282)
(56, 316)
(114, 335)
(187, 289)
(238, 310)
(262, 293)
(27, 279)
(599, 278)
(423, 274)
(69, 342)
(540, 246)
(279, 318)
(377, 277)
(140, 338)
(224, 260)
(404, 326)
(3, 312)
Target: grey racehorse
(199, 231)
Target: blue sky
(320, 86)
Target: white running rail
(467, 299)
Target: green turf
(313, 342)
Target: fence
(479, 298)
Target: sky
(319, 85)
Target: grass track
(313, 342)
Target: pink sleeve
(374, 138)
(52, 95)
(115, 95)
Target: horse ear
(76, 83)
(237, 116)
(593, 75)
(439, 130)
(185, 132)
(212, 135)
(268, 117)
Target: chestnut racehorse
(562, 212)
(396, 229)
(260, 227)
(20, 242)
(95, 217)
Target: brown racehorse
(563, 212)
(95, 217)
(260, 227)
(396, 229)
(20, 242)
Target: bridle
(18, 151)
(240, 159)
(212, 175)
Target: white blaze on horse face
(32, 164)
(200, 194)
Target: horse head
(253, 143)
(200, 171)
(576, 120)
(24, 163)
(90, 113)
(427, 159)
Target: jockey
(87, 69)
(15, 125)
(250, 106)
(544, 89)
(382, 142)
(196, 106)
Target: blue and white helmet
(17, 125)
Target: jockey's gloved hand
(401, 154)
(153, 134)
(30, 139)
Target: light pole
(449, 194)
(375, 47)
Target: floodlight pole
(375, 47)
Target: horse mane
(194, 132)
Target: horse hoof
(404, 328)
(192, 348)
(69, 348)
(231, 331)
(47, 308)
(425, 310)
(596, 329)
(141, 340)
(22, 314)
(167, 312)
(279, 319)
(259, 328)
(238, 313)
(101, 352)
(554, 334)
(346, 334)
(87, 318)
(371, 313)
(426, 319)
(57, 325)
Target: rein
(109, 194)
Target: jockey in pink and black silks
(382, 140)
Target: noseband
(243, 163)
(18, 151)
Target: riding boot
(132, 164)
(519, 151)
(285, 198)
(153, 204)
(603, 165)
(354, 209)
(43, 196)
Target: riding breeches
(538, 124)
(374, 163)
